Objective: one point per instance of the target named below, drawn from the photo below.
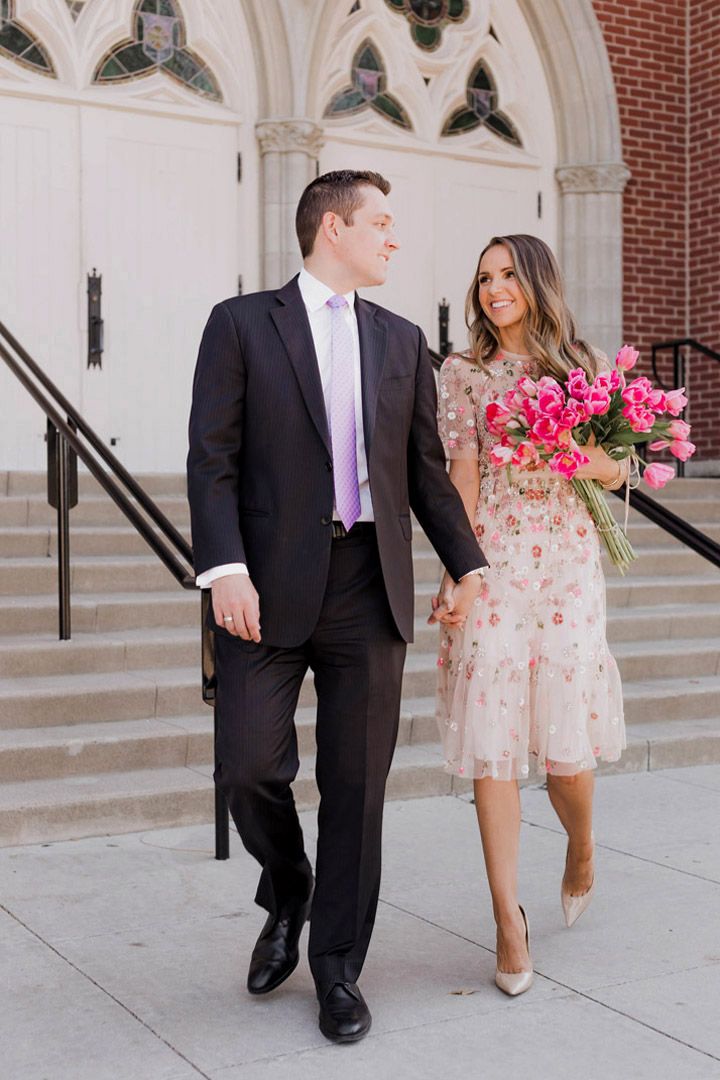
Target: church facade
(152, 153)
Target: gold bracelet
(617, 482)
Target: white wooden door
(39, 264)
(161, 224)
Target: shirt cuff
(205, 580)
(479, 572)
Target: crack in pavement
(103, 990)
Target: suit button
(328, 466)
(326, 520)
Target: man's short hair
(336, 192)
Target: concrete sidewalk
(124, 958)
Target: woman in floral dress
(527, 679)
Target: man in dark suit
(312, 437)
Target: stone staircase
(107, 733)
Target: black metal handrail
(682, 530)
(69, 433)
(678, 346)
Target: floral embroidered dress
(530, 675)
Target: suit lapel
(293, 327)
(372, 330)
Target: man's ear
(329, 227)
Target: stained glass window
(158, 45)
(428, 18)
(19, 44)
(481, 108)
(368, 90)
(76, 7)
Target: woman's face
(500, 295)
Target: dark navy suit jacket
(260, 479)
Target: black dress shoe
(276, 953)
(344, 1016)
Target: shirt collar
(316, 294)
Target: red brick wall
(669, 290)
(704, 225)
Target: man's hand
(235, 596)
(452, 604)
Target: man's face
(366, 245)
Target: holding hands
(452, 604)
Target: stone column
(591, 248)
(289, 150)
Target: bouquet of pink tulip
(546, 421)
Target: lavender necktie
(342, 416)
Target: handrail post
(679, 378)
(209, 685)
(62, 495)
(63, 519)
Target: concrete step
(36, 753)
(34, 810)
(53, 700)
(42, 654)
(685, 668)
(41, 541)
(90, 510)
(101, 612)
(35, 483)
(88, 574)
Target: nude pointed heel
(574, 906)
(516, 982)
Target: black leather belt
(339, 530)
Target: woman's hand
(601, 466)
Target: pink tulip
(577, 384)
(636, 392)
(497, 417)
(598, 401)
(501, 455)
(527, 386)
(682, 449)
(546, 431)
(550, 400)
(530, 411)
(659, 444)
(525, 454)
(567, 462)
(678, 429)
(656, 401)
(675, 401)
(657, 474)
(639, 418)
(627, 358)
(575, 412)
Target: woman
(529, 675)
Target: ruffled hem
(534, 765)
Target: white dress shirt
(315, 295)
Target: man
(312, 436)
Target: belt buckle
(338, 530)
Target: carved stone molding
(597, 179)
(289, 136)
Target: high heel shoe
(574, 906)
(516, 982)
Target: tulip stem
(616, 542)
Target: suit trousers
(356, 655)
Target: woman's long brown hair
(549, 323)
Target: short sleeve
(457, 415)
